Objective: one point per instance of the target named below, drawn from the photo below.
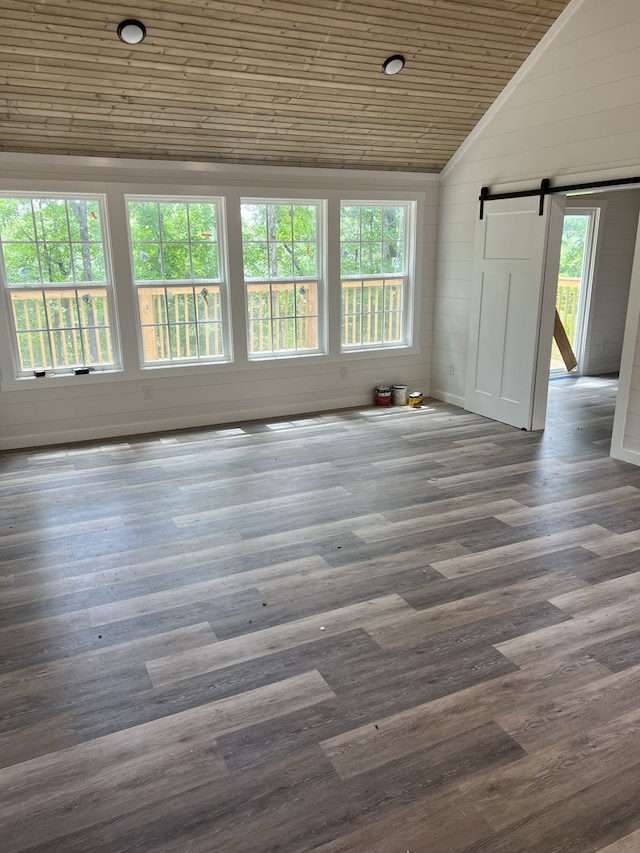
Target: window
(374, 275)
(178, 276)
(57, 279)
(282, 278)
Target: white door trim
(555, 222)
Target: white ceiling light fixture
(131, 32)
(393, 65)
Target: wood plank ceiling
(274, 82)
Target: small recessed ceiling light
(393, 65)
(131, 32)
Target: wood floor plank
(420, 626)
(337, 807)
(571, 637)
(553, 718)
(151, 762)
(42, 629)
(278, 502)
(620, 544)
(604, 568)
(554, 773)
(311, 531)
(514, 470)
(171, 668)
(359, 573)
(30, 742)
(442, 455)
(101, 716)
(608, 593)
(436, 824)
(38, 683)
(432, 520)
(375, 691)
(435, 502)
(147, 560)
(227, 615)
(247, 485)
(628, 844)
(524, 515)
(617, 653)
(190, 593)
(57, 531)
(212, 813)
(496, 534)
(585, 537)
(373, 745)
(440, 590)
(586, 821)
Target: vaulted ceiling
(280, 82)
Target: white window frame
(408, 275)
(319, 280)
(113, 366)
(221, 282)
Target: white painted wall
(612, 278)
(56, 410)
(571, 114)
(626, 445)
(625, 441)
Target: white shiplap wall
(571, 114)
(612, 278)
(625, 442)
(85, 407)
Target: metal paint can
(383, 395)
(415, 399)
(399, 395)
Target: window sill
(256, 358)
(183, 366)
(59, 380)
(389, 349)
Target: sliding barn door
(515, 276)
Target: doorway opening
(575, 278)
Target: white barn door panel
(512, 310)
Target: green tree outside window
(374, 275)
(177, 273)
(55, 270)
(281, 271)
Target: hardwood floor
(378, 631)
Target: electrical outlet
(452, 369)
(147, 392)
(344, 372)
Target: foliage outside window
(374, 274)
(575, 236)
(282, 278)
(176, 258)
(574, 240)
(56, 277)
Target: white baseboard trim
(626, 455)
(446, 397)
(601, 370)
